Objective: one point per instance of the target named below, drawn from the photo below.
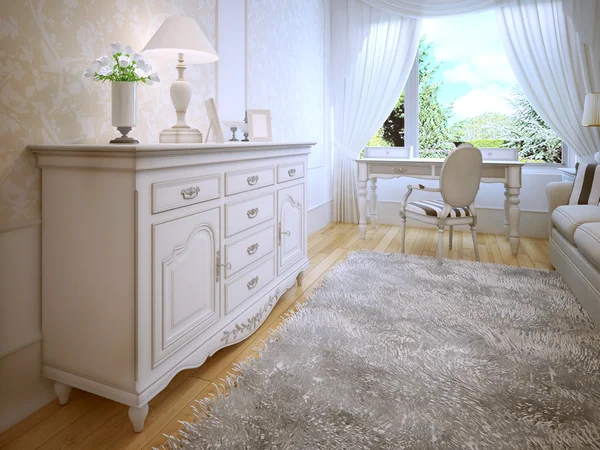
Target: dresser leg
(300, 278)
(62, 392)
(138, 417)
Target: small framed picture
(259, 125)
(214, 124)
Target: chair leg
(440, 245)
(450, 243)
(475, 246)
(403, 233)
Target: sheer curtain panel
(424, 9)
(553, 67)
(373, 52)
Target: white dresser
(156, 256)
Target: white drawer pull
(252, 283)
(292, 172)
(252, 249)
(252, 180)
(252, 213)
(399, 169)
(191, 192)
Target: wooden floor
(91, 422)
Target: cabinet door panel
(185, 288)
(291, 225)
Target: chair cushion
(586, 188)
(567, 218)
(587, 238)
(434, 208)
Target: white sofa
(574, 246)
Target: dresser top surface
(151, 149)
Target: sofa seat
(568, 218)
(587, 239)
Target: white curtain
(435, 8)
(373, 52)
(553, 67)
(586, 20)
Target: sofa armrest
(558, 194)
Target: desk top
(431, 161)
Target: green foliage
(489, 125)
(379, 141)
(530, 134)
(392, 130)
(488, 143)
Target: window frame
(411, 123)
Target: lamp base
(597, 157)
(180, 136)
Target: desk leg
(362, 198)
(506, 215)
(514, 212)
(373, 205)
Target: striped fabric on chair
(434, 208)
(586, 189)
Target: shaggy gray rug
(395, 352)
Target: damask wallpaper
(286, 68)
(44, 47)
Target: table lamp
(591, 114)
(180, 36)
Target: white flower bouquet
(123, 66)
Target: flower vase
(123, 110)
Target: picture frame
(259, 125)
(214, 123)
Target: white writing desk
(506, 172)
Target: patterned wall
(44, 47)
(286, 67)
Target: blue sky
(474, 69)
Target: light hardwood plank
(61, 419)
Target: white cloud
(494, 68)
(462, 73)
(478, 101)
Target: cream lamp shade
(591, 110)
(180, 34)
(180, 37)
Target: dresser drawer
(291, 171)
(246, 250)
(247, 180)
(248, 284)
(168, 195)
(245, 214)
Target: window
(464, 90)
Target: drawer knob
(252, 283)
(190, 192)
(252, 180)
(292, 172)
(252, 213)
(399, 169)
(252, 249)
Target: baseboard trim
(318, 217)
(21, 345)
(20, 224)
(319, 205)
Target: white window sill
(543, 169)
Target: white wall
(489, 202)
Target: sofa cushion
(586, 189)
(567, 218)
(587, 239)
